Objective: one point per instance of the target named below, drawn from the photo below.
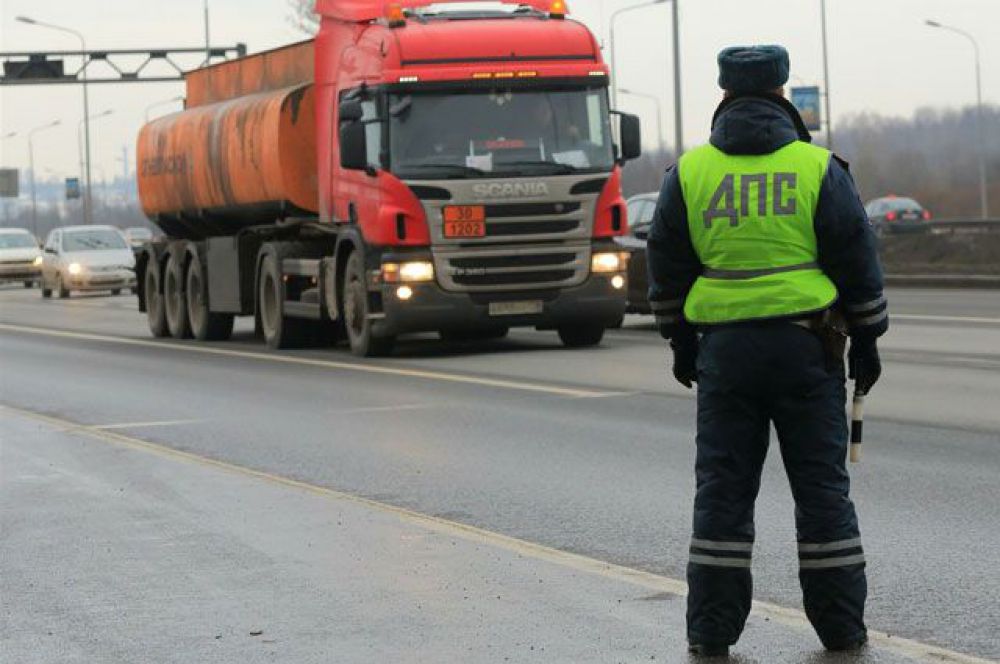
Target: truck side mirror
(631, 137)
(353, 140)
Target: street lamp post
(208, 49)
(86, 103)
(659, 114)
(984, 203)
(611, 42)
(162, 102)
(826, 79)
(87, 205)
(31, 167)
(678, 111)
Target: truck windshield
(500, 133)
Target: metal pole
(88, 210)
(984, 204)
(34, 200)
(208, 49)
(983, 194)
(31, 167)
(678, 110)
(826, 78)
(659, 115)
(86, 100)
(611, 44)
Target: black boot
(708, 650)
(849, 645)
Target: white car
(20, 257)
(87, 258)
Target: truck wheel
(63, 292)
(156, 314)
(359, 327)
(117, 291)
(279, 330)
(173, 297)
(205, 325)
(46, 291)
(581, 336)
(29, 284)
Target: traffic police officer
(757, 237)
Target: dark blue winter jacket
(761, 124)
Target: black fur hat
(753, 68)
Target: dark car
(640, 217)
(896, 214)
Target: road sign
(9, 183)
(72, 188)
(806, 99)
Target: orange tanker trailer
(408, 170)
(242, 153)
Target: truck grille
(498, 269)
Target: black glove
(863, 364)
(685, 359)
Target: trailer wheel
(205, 325)
(280, 331)
(156, 314)
(581, 336)
(173, 297)
(356, 313)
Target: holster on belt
(831, 327)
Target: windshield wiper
(452, 169)
(555, 166)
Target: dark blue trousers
(750, 377)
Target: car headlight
(74, 268)
(608, 261)
(37, 262)
(411, 271)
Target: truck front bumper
(430, 308)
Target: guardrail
(965, 225)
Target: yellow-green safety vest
(751, 223)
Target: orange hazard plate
(465, 221)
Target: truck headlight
(37, 262)
(74, 268)
(608, 261)
(409, 272)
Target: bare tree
(303, 15)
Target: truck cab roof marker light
(395, 16)
(558, 9)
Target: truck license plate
(521, 308)
(465, 221)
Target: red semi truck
(408, 170)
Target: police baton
(857, 423)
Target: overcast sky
(882, 59)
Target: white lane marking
(915, 650)
(137, 425)
(941, 319)
(311, 362)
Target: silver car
(20, 257)
(87, 258)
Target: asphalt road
(584, 451)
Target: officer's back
(758, 241)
